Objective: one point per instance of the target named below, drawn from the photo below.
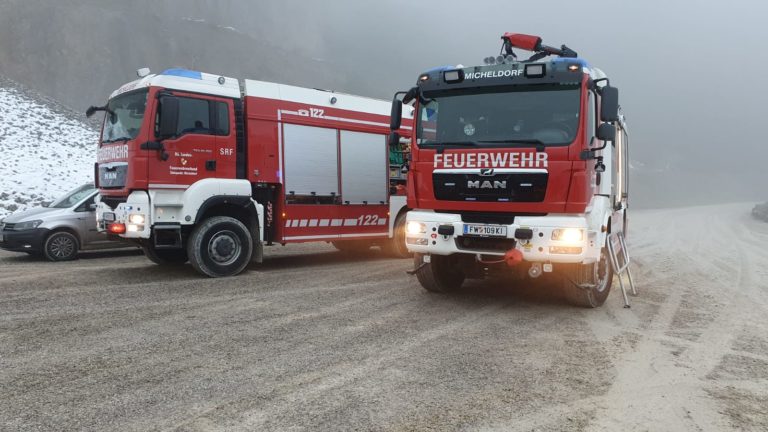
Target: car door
(86, 221)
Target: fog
(689, 75)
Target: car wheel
(61, 246)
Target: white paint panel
(364, 168)
(311, 161)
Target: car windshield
(73, 197)
(123, 119)
(542, 114)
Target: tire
(600, 274)
(165, 256)
(61, 246)
(395, 247)
(220, 246)
(440, 275)
(349, 246)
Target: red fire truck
(517, 166)
(208, 169)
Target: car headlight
(27, 225)
(415, 228)
(569, 235)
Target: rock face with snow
(45, 149)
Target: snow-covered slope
(44, 150)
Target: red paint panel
(302, 223)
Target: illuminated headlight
(415, 228)
(137, 219)
(28, 225)
(569, 235)
(420, 241)
(134, 228)
(564, 250)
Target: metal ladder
(617, 249)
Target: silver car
(59, 231)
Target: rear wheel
(220, 246)
(61, 246)
(165, 256)
(595, 280)
(396, 245)
(440, 274)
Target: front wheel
(395, 247)
(588, 285)
(61, 246)
(220, 246)
(165, 256)
(440, 274)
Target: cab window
(201, 117)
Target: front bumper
(136, 204)
(540, 248)
(23, 241)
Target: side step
(167, 236)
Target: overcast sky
(689, 73)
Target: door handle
(155, 145)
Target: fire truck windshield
(125, 123)
(498, 116)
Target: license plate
(485, 230)
(109, 216)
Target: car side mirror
(609, 104)
(169, 116)
(92, 207)
(606, 132)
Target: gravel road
(314, 339)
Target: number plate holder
(481, 230)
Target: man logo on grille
(486, 172)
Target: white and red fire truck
(516, 167)
(208, 169)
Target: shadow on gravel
(313, 259)
(21, 257)
(543, 291)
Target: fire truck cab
(208, 169)
(516, 167)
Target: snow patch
(43, 152)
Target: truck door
(193, 150)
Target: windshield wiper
(452, 143)
(123, 139)
(538, 143)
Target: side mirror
(91, 110)
(396, 116)
(410, 95)
(169, 116)
(606, 132)
(609, 104)
(92, 207)
(394, 139)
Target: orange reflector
(117, 228)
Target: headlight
(415, 228)
(137, 219)
(28, 225)
(570, 235)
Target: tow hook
(413, 272)
(535, 270)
